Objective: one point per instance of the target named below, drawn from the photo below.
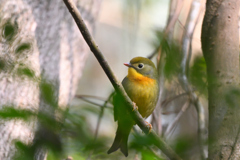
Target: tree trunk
(221, 51)
(39, 40)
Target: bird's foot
(150, 126)
(135, 107)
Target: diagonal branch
(192, 20)
(173, 17)
(234, 147)
(85, 98)
(202, 137)
(175, 121)
(116, 84)
(187, 42)
(174, 11)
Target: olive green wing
(125, 124)
(118, 103)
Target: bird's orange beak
(127, 64)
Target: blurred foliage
(232, 97)
(2, 64)
(9, 30)
(15, 61)
(8, 112)
(76, 137)
(172, 54)
(72, 134)
(143, 144)
(172, 60)
(184, 145)
(198, 75)
(48, 93)
(25, 71)
(23, 47)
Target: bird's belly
(145, 98)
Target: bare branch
(202, 136)
(99, 122)
(187, 52)
(116, 84)
(174, 12)
(101, 114)
(235, 144)
(168, 100)
(173, 17)
(84, 98)
(187, 42)
(174, 122)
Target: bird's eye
(140, 65)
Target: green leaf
(48, 94)
(2, 64)
(26, 72)
(173, 59)
(23, 47)
(198, 75)
(9, 31)
(11, 113)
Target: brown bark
(221, 52)
(56, 52)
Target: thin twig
(99, 122)
(183, 77)
(171, 10)
(187, 42)
(166, 101)
(90, 96)
(154, 52)
(83, 97)
(181, 24)
(174, 18)
(154, 153)
(101, 114)
(174, 12)
(156, 121)
(235, 144)
(174, 122)
(202, 136)
(116, 84)
(171, 23)
(148, 147)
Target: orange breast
(144, 92)
(136, 77)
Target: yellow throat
(136, 77)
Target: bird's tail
(121, 140)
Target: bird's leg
(135, 107)
(150, 126)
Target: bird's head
(143, 66)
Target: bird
(141, 85)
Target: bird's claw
(134, 106)
(150, 126)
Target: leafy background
(134, 28)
